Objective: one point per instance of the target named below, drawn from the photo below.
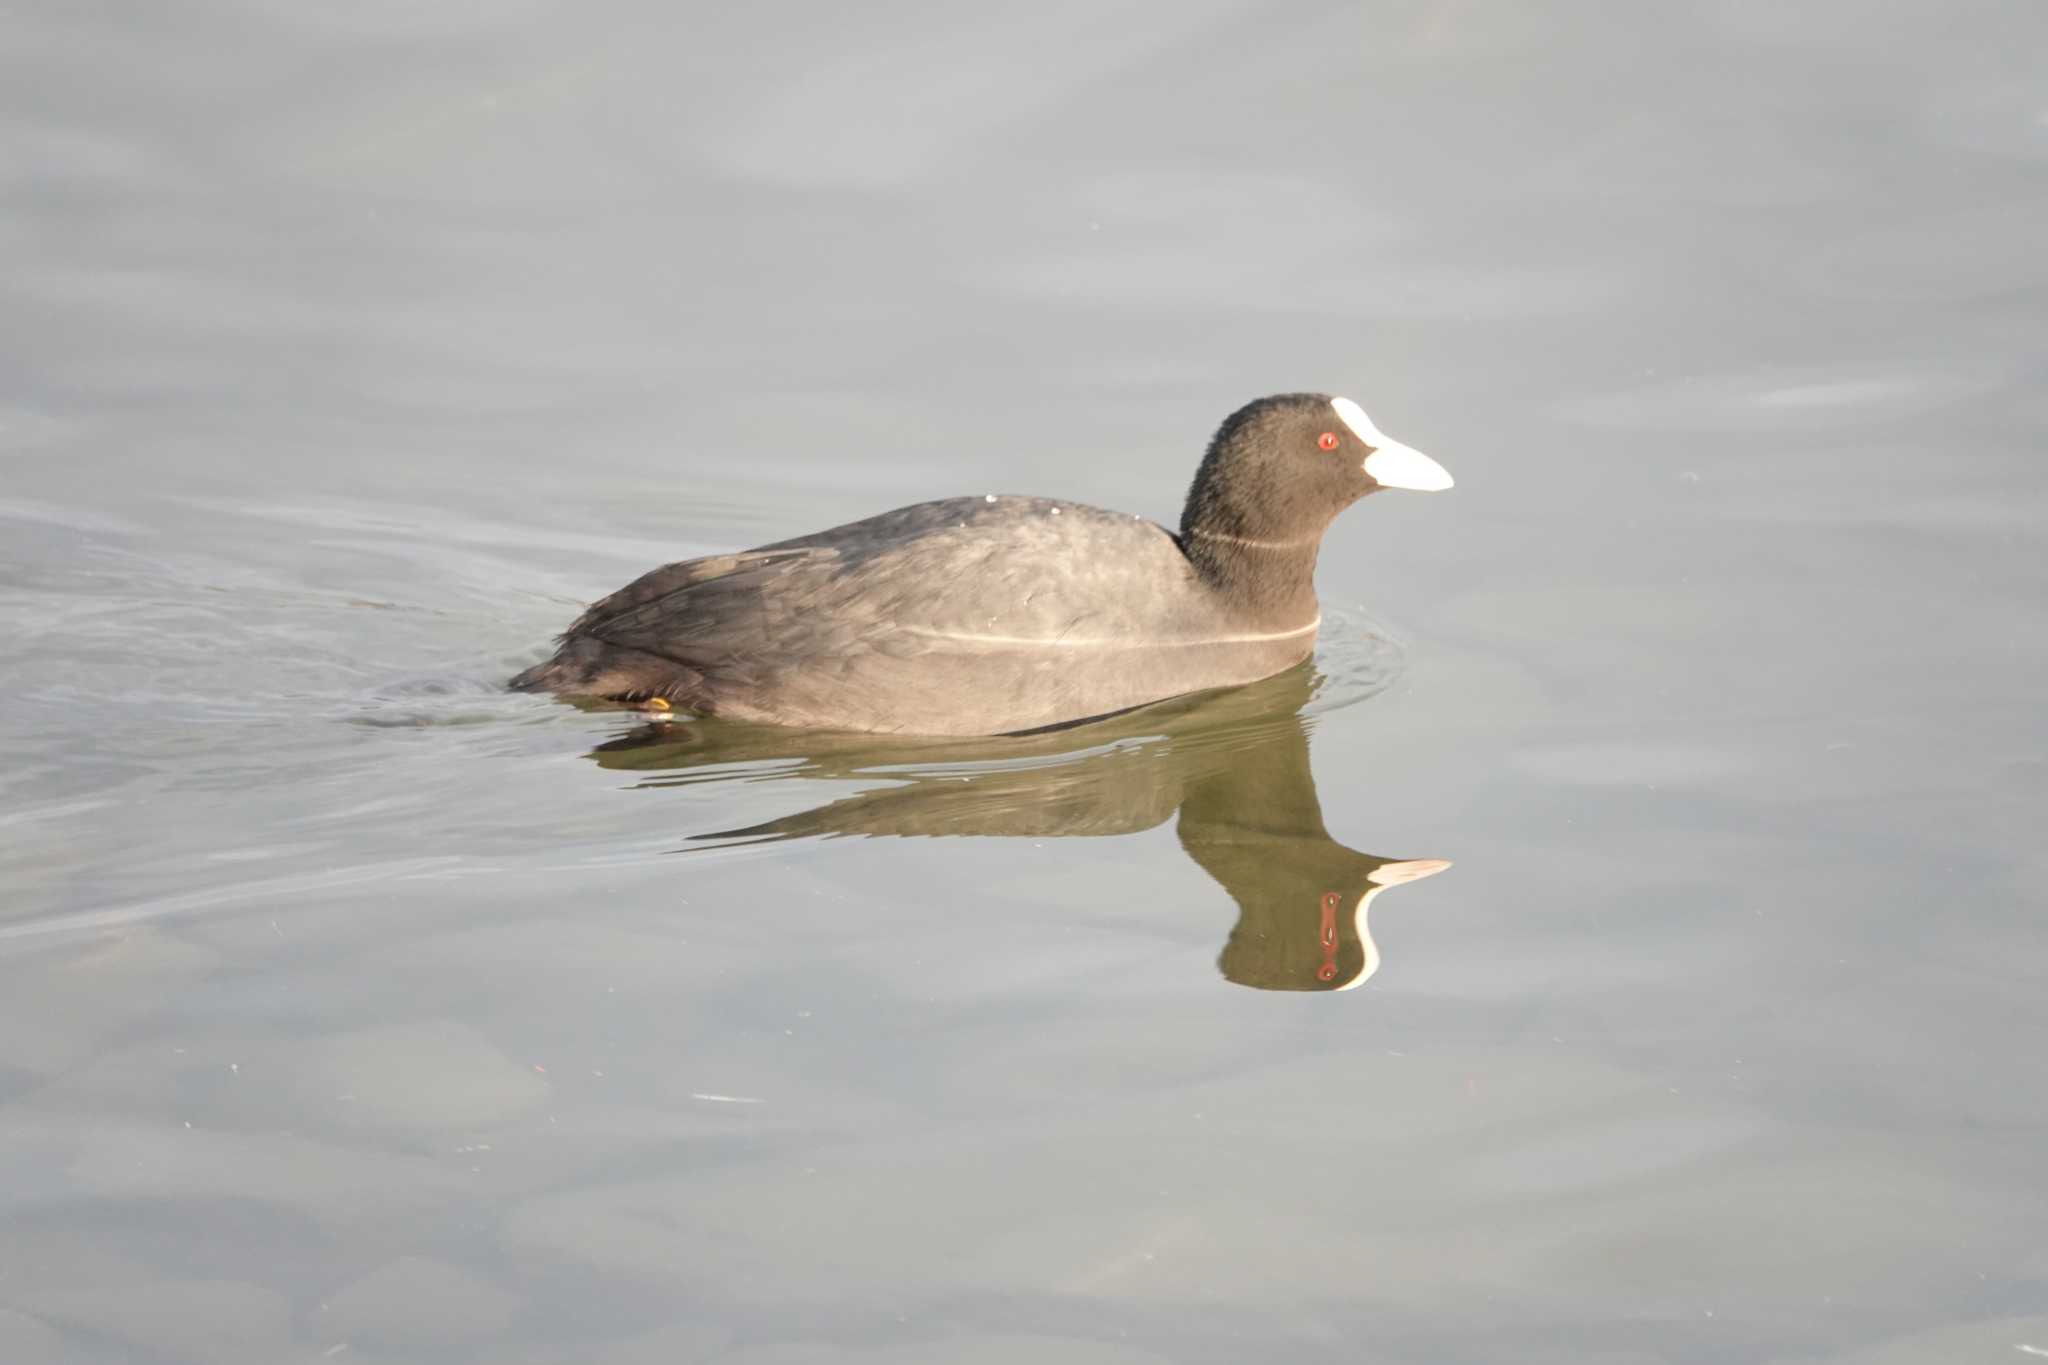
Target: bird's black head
(1280, 469)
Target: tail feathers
(540, 678)
(584, 667)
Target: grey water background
(350, 1010)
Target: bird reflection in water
(1234, 764)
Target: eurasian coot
(995, 614)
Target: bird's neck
(1268, 575)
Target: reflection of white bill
(1382, 877)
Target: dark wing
(752, 616)
(652, 587)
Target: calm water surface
(351, 1008)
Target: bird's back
(963, 616)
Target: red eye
(1328, 440)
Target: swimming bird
(1001, 614)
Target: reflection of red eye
(1328, 440)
